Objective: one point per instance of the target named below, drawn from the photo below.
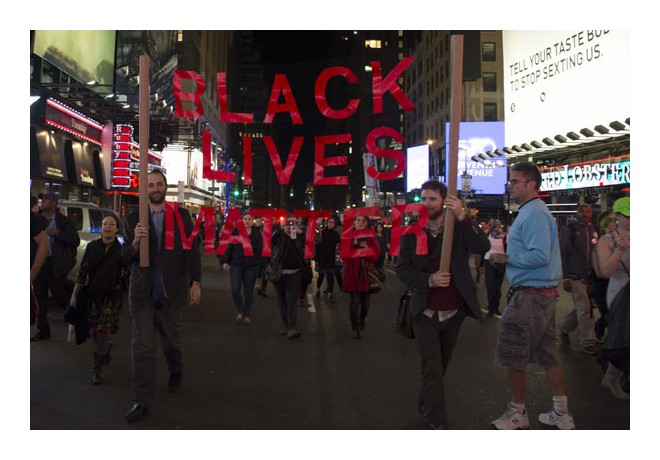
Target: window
(76, 216)
(490, 81)
(372, 44)
(95, 220)
(490, 111)
(488, 51)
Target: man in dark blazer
(157, 294)
(63, 241)
(440, 300)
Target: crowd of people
(533, 255)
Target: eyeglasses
(516, 181)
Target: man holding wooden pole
(441, 298)
(162, 280)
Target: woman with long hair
(355, 279)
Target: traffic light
(417, 199)
(237, 192)
(291, 191)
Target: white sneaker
(513, 419)
(563, 422)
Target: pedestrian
(479, 258)
(326, 260)
(614, 259)
(440, 300)
(38, 252)
(157, 294)
(494, 273)
(384, 243)
(527, 329)
(63, 241)
(262, 282)
(597, 286)
(288, 249)
(243, 270)
(355, 279)
(38, 239)
(577, 241)
(98, 291)
(305, 281)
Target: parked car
(87, 218)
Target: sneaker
(588, 349)
(239, 318)
(246, 320)
(513, 419)
(329, 297)
(552, 418)
(565, 339)
(282, 331)
(293, 334)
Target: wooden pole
(456, 83)
(144, 156)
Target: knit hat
(622, 206)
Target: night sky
(287, 46)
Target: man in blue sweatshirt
(527, 329)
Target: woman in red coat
(356, 281)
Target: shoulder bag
(403, 323)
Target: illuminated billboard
(561, 81)
(86, 55)
(474, 138)
(597, 173)
(417, 166)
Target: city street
(239, 377)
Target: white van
(87, 219)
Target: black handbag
(404, 324)
(273, 272)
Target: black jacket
(64, 246)
(577, 242)
(412, 268)
(235, 255)
(180, 266)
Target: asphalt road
(239, 377)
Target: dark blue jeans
(245, 278)
(494, 278)
(331, 273)
(287, 290)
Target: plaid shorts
(528, 333)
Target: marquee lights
(72, 122)
(126, 157)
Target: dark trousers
(331, 273)
(245, 278)
(147, 323)
(435, 343)
(494, 277)
(359, 307)
(44, 281)
(287, 290)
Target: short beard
(436, 214)
(153, 201)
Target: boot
(97, 372)
(106, 356)
(612, 381)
